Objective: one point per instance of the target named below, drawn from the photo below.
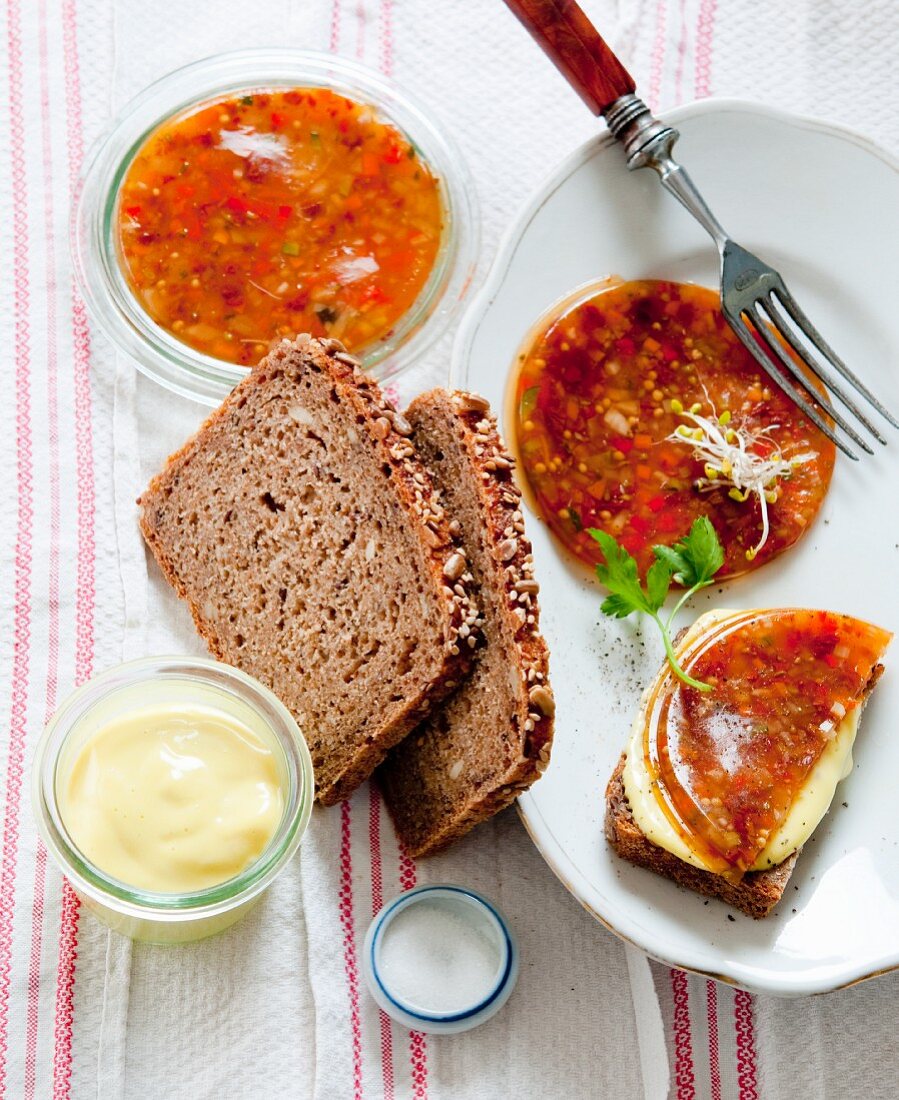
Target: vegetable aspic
(637, 410)
(262, 215)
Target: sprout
(730, 460)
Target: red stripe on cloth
(711, 992)
(334, 40)
(84, 443)
(21, 640)
(37, 906)
(85, 593)
(34, 973)
(684, 1078)
(349, 941)
(65, 994)
(361, 20)
(681, 53)
(377, 901)
(418, 1051)
(418, 1043)
(657, 60)
(705, 30)
(386, 37)
(744, 1023)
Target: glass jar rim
(118, 312)
(189, 905)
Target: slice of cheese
(810, 805)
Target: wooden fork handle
(574, 46)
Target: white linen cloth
(275, 1007)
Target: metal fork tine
(748, 341)
(773, 345)
(808, 329)
(816, 368)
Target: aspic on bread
(762, 737)
(490, 739)
(756, 894)
(306, 537)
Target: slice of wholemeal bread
(758, 891)
(306, 537)
(491, 739)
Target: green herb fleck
(314, 137)
(528, 402)
(246, 101)
(692, 562)
(575, 516)
(290, 248)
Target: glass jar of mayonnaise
(171, 791)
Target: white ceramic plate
(820, 204)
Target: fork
(754, 298)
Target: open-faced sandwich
(737, 749)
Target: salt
(440, 955)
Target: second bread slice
(491, 739)
(306, 537)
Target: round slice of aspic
(725, 766)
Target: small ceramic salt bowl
(440, 958)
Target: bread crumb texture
(307, 539)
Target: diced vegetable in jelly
(596, 399)
(267, 214)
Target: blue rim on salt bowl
(116, 310)
(415, 1016)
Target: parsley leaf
(658, 581)
(692, 561)
(619, 575)
(674, 560)
(696, 558)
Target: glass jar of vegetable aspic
(258, 194)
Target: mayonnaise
(172, 797)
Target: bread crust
(758, 891)
(424, 827)
(388, 432)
